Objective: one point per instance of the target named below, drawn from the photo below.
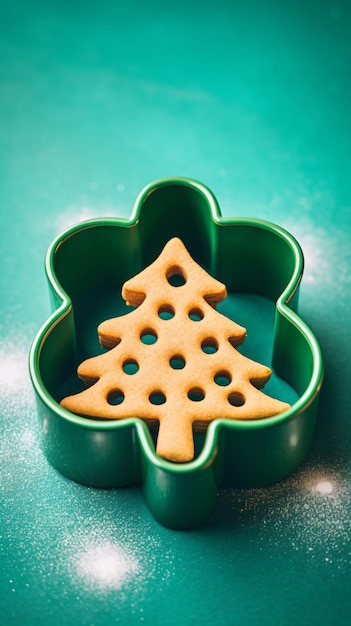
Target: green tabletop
(97, 100)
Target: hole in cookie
(196, 394)
(175, 276)
(209, 345)
(157, 397)
(236, 398)
(148, 336)
(130, 366)
(115, 397)
(223, 378)
(177, 362)
(166, 312)
(196, 315)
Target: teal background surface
(97, 99)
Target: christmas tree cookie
(172, 360)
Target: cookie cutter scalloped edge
(235, 453)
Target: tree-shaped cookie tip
(173, 358)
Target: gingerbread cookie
(173, 359)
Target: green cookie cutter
(86, 267)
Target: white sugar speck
(312, 507)
(106, 566)
(14, 380)
(324, 486)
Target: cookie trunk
(175, 440)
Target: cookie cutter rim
(63, 306)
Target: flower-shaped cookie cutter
(86, 267)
